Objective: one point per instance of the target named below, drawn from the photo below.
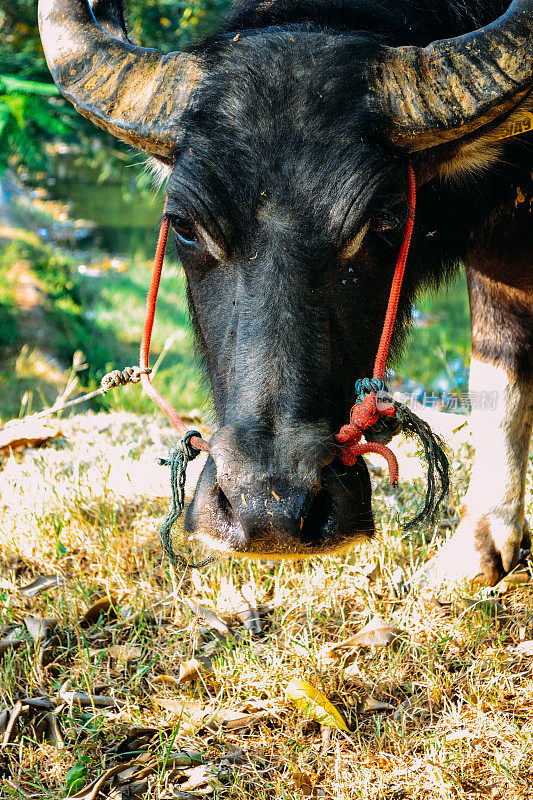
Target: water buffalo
(286, 136)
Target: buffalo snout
(279, 495)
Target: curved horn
(451, 87)
(135, 93)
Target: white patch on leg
(493, 508)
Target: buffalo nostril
(223, 502)
(317, 517)
(301, 516)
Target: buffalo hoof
(480, 553)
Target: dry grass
(461, 722)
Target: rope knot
(189, 450)
(121, 377)
(374, 408)
(387, 424)
(366, 413)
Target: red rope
(394, 297)
(151, 302)
(363, 415)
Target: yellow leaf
(315, 704)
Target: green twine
(178, 460)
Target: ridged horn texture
(135, 93)
(450, 88)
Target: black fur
(281, 161)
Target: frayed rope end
(438, 465)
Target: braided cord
(111, 380)
(178, 460)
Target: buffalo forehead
(274, 134)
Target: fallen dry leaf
(83, 700)
(243, 604)
(371, 571)
(254, 619)
(189, 671)
(43, 703)
(4, 719)
(123, 653)
(190, 714)
(91, 791)
(17, 710)
(39, 628)
(127, 773)
(146, 765)
(315, 704)
(248, 616)
(237, 720)
(198, 777)
(104, 607)
(236, 756)
(375, 634)
(48, 728)
(207, 616)
(170, 680)
(9, 644)
(137, 739)
(184, 758)
(370, 706)
(41, 584)
(524, 648)
(410, 708)
(303, 782)
(513, 581)
(26, 433)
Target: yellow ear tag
(520, 122)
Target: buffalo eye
(386, 221)
(184, 231)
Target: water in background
(126, 216)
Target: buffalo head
(286, 146)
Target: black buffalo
(286, 136)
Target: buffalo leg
(487, 542)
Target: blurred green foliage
(104, 321)
(30, 114)
(170, 24)
(437, 351)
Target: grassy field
(163, 685)
(120, 678)
(99, 314)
